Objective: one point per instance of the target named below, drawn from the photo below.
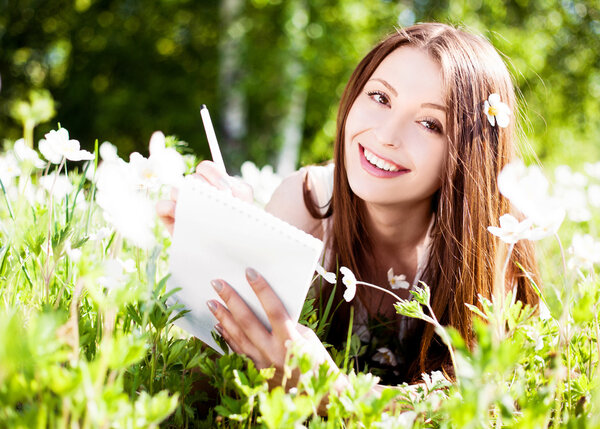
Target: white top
(321, 179)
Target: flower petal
(349, 293)
(329, 277)
(503, 120)
(80, 155)
(350, 281)
(494, 99)
(157, 142)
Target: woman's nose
(389, 133)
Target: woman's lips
(376, 171)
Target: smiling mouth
(379, 166)
(380, 163)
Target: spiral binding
(257, 214)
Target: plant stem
(597, 327)
(500, 296)
(564, 319)
(389, 292)
(445, 340)
(436, 323)
(50, 210)
(562, 254)
(348, 339)
(10, 210)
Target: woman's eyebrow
(387, 85)
(434, 106)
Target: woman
(414, 189)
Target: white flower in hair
(496, 111)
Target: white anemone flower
(146, 176)
(131, 212)
(60, 186)
(527, 190)
(511, 230)
(164, 166)
(101, 234)
(592, 170)
(496, 111)
(58, 145)
(169, 163)
(570, 189)
(73, 254)
(594, 195)
(385, 357)
(263, 181)
(9, 169)
(548, 220)
(565, 177)
(523, 186)
(115, 273)
(328, 276)
(576, 204)
(25, 154)
(397, 282)
(585, 251)
(108, 152)
(350, 282)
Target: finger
(231, 331)
(174, 193)
(305, 332)
(213, 175)
(166, 212)
(166, 208)
(241, 189)
(282, 324)
(245, 318)
(228, 339)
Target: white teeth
(378, 162)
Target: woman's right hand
(211, 174)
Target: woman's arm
(287, 203)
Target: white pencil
(212, 138)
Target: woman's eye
(431, 125)
(379, 97)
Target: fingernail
(224, 183)
(219, 329)
(217, 285)
(212, 306)
(251, 274)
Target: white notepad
(218, 236)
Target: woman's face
(395, 134)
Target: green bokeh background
(120, 69)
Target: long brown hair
(464, 258)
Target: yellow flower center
(493, 111)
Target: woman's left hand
(246, 334)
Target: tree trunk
(291, 126)
(233, 108)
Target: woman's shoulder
(287, 202)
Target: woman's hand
(211, 174)
(246, 334)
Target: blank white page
(218, 236)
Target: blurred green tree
(272, 71)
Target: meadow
(87, 336)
